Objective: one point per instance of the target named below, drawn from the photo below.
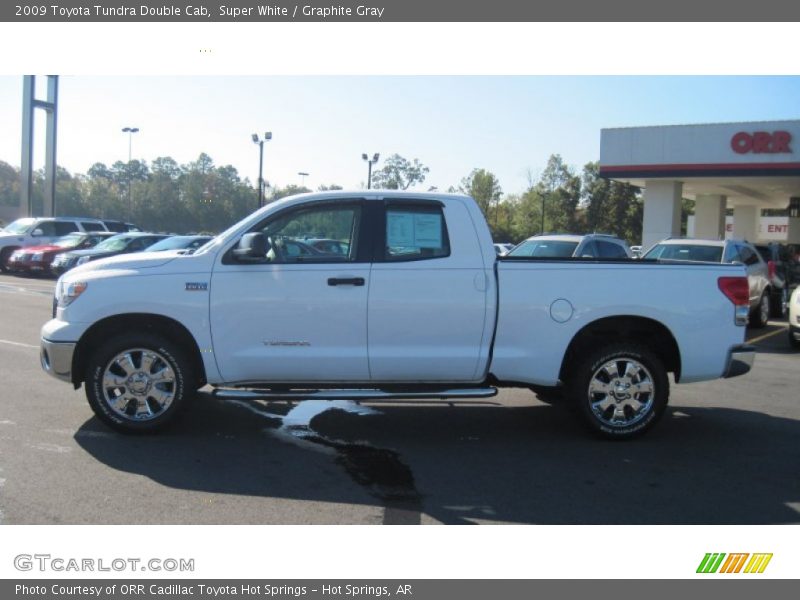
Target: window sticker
(420, 230)
(428, 230)
(399, 229)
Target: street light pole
(370, 162)
(260, 142)
(130, 131)
(303, 176)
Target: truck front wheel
(137, 382)
(621, 390)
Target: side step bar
(355, 394)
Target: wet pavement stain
(379, 470)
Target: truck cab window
(415, 233)
(319, 234)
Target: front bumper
(740, 360)
(56, 359)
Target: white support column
(746, 221)
(662, 211)
(709, 217)
(793, 231)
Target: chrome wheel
(138, 384)
(621, 393)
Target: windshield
(691, 252)
(69, 241)
(113, 244)
(19, 226)
(545, 249)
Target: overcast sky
(322, 125)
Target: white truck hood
(128, 262)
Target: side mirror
(37, 232)
(251, 248)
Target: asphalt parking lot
(727, 452)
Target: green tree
(399, 173)
(611, 206)
(484, 187)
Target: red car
(37, 259)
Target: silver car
(724, 251)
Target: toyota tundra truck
(412, 303)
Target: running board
(355, 394)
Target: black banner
(401, 11)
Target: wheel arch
(648, 332)
(136, 322)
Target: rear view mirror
(251, 248)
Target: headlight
(37, 257)
(67, 294)
(83, 260)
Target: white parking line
(766, 335)
(10, 343)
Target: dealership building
(746, 167)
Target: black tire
(614, 413)
(149, 383)
(760, 316)
(5, 254)
(793, 341)
(779, 305)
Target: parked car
(189, 243)
(565, 245)
(38, 259)
(439, 318)
(781, 276)
(724, 251)
(502, 248)
(38, 231)
(122, 243)
(794, 319)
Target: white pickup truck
(377, 294)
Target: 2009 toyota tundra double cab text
(378, 294)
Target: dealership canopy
(744, 166)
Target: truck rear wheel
(137, 382)
(621, 390)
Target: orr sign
(762, 142)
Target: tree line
(202, 197)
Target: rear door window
(610, 250)
(91, 226)
(65, 227)
(416, 232)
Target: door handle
(346, 281)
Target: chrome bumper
(740, 360)
(56, 359)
